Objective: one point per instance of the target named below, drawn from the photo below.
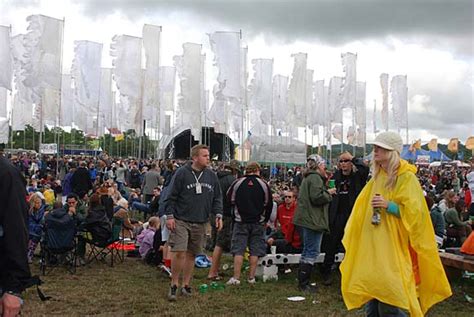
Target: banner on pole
(48, 148)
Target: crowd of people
(166, 206)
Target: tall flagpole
(60, 94)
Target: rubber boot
(304, 275)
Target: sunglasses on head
(344, 161)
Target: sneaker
(186, 291)
(172, 293)
(233, 281)
(251, 280)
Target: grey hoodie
(185, 204)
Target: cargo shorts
(187, 236)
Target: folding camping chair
(58, 244)
(100, 248)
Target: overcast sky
(430, 41)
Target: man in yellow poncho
(393, 266)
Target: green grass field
(132, 288)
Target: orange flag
(453, 145)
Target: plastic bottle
(203, 288)
(376, 217)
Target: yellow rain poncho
(378, 264)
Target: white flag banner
(261, 92)
(151, 45)
(167, 88)
(23, 93)
(125, 121)
(204, 93)
(374, 118)
(360, 110)
(261, 85)
(6, 63)
(67, 101)
(309, 98)
(4, 130)
(297, 90)
(280, 99)
(335, 100)
(360, 136)
(384, 86)
(21, 114)
(3, 102)
(337, 132)
(126, 52)
(399, 92)
(36, 117)
(106, 102)
(320, 110)
(85, 73)
(43, 45)
(351, 134)
(349, 65)
(226, 49)
(188, 67)
(50, 106)
(127, 72)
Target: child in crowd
(149, 240)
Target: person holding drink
(348, 180)
(393, 267)
(311, 216)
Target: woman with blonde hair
(35, 224)
(391, 262)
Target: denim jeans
(311, 245)
(141, 207)
(375, 308)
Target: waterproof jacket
(313, 203)
(397, 261)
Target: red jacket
(467, 197)
(285, 218)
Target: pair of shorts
(165, 232)
(187, 236)
(249, 235)
(224, 237)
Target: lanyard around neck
(197, 178)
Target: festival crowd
(172, 209)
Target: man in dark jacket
(251, 199)
(81, 182)
(350, 178)
(194, 196)
(226, 178)
(14, 270)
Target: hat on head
(233, 164)
(317, 158)
(252, 167)
(389, 140)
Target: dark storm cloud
(432, 22)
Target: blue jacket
(35, 223)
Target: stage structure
(221, 145)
